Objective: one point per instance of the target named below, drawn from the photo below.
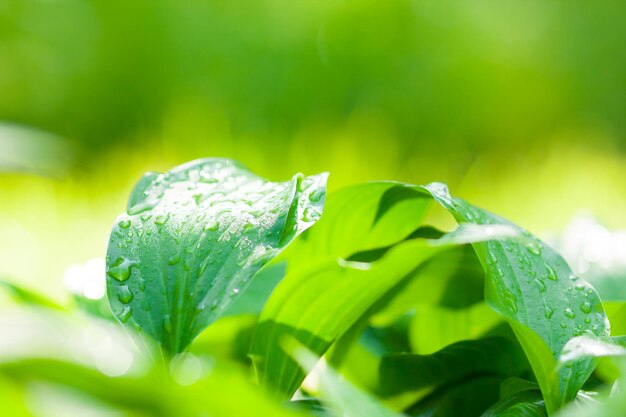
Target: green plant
(207, 274)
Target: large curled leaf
(532, 286)
(192, 238)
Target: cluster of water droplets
(525, 255)
(221, 219)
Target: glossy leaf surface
(192, 238)
(532, 286)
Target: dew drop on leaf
(161, 219)
(551, 273)
(548, 312)
(510, 300)
(585, 307)
(541, 286)
(174, 259)
(124, 294)
(124, 224)
(534, 248)
(120, 269)
(211, 225)
(125, 314)
(569, 313)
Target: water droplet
(234, 292)
(310, 215)
(510, 300)
(204, 265)
(124, 294)
(569, 313)
(587, 320)
(142, 284)
(199, 198)
(534, 248)
(145, 217)
(140, 208)
(174, 259)
(551, 273)
(120, 269)
(167, 323)
(548, 312)
(125, 314)
(124, 224)
(585, 307)
(211, 225)
(317, 195)
(161, 219)
(541, 286)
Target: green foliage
(192, 239)
(370, 312)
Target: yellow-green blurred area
(520, 106)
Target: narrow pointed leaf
(26, 296)
(192, 238)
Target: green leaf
(407, 372)
(469, 398)
(255, 296)
(348, 400)
(26, 296)
(193, 237)
(434, 327)
(588, 346)
(318, 305)
(453, 279)
(359, 218)
(521, 404)
(221, 392)
(533, 287)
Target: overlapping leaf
(533, 287)
(407, 372)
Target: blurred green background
(520, 106)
